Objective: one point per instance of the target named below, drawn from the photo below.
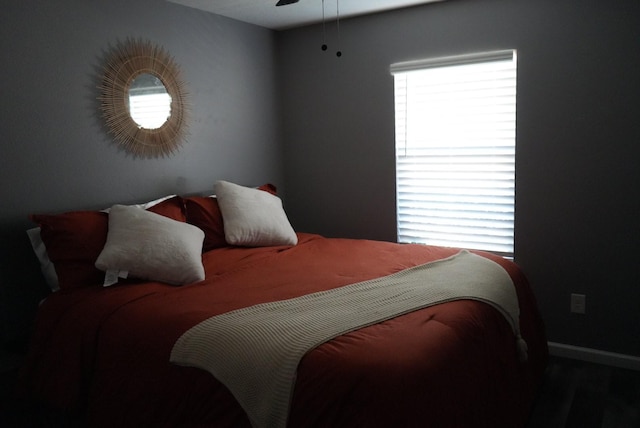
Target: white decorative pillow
(252, 217)
(150, 246)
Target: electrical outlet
(578, 303)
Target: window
(455, 151)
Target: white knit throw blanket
(255, 351)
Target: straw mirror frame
(126, 61)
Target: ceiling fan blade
(286, 2)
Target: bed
(106, 354)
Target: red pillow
(74, 241)
(173, 208)
(204, 212)
(269, 188)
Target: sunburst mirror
(143, 99)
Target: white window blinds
(455, 151)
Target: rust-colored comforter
(103, 353)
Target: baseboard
(597, 356)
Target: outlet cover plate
(578, 303)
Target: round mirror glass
(149, 101)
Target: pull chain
(339, 52)
(324, 30)
(324, 46)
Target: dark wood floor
(574, 394)
(577, 394)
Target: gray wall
(578, 141)
(54, 154)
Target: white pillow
(252, 217)
(146, 245)
(146, 205)
(46, 265)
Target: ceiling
(265, 13)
